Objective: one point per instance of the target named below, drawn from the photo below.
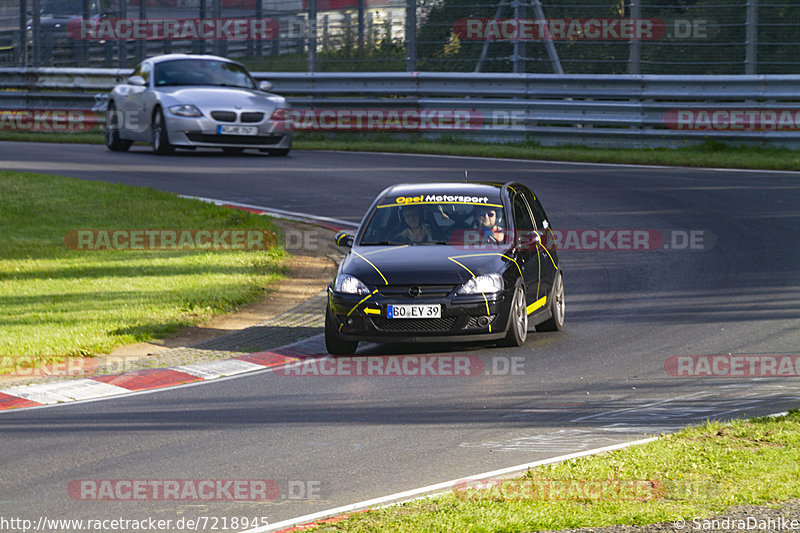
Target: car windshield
(202, 72)
(458, 219)
(66, 7)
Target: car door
(548, 255)
(133, 106)
(527, 254)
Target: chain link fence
(685, 37)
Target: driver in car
(489, 226)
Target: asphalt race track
(733, 289)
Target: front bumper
(203, 132)
(463, 318)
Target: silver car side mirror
(265, 86)
(138, 81)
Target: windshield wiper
(382, 243)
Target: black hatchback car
(446, 262)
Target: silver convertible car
(190, 101)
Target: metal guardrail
(600, 110)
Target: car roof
(446, 187)
(171, 57)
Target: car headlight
(185, 110)
(349, 285)
(482, 284)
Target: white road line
(572, 163)
(277, 213)
(438, 488)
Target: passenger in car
(416, 230)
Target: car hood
(421, 264)
(209, 98)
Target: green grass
(699, 471)
(56, 301)
(708, 154)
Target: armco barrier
(600, 110)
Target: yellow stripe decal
(367, 297)
(537, 304)
(491, 253)
(373, 266)
(370, 311)
(485, 300)
(548, 253)
(386, 249)
(462, 266)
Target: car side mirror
(265, 86)
(343, 239)
(138, 81)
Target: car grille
(252, 117)
(234, 139)
(416, 324)
(224, 116)
(426, 291)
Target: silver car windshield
(202, 72)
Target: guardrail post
(635, 58)
(22, 55)
(260, 16)
(312, 35)
(751, 47)
(122, 45)
(141, 46)
(37, 34)
(411, 35)
(360, 25)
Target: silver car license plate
(414, 311)
(237, 130)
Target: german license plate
(414, 311)
(237, 130)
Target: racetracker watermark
(382, 120)
(573, 29)
(49, 120)
(70, 367)
(173, 489)
(169, 239)
(417, 366)
(528, 489)
(733, 366)
(234, 490)
(733, 119)
(218, 29)
(622, 240)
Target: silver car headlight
(348, 284)
(487, 283)
(185, 110)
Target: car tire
(518, 321)
(113, 141)
(278, 151)
(557, 308)
(161, 144)
(333, 343)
